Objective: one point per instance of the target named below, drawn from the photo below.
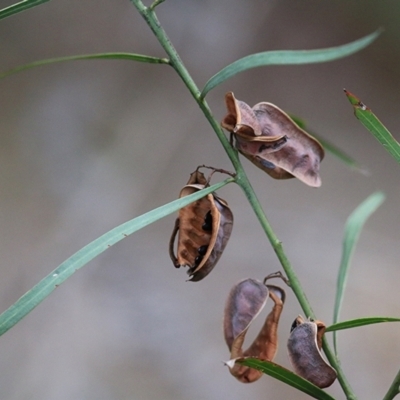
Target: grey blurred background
(88, 145)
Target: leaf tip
(380, 30)
(355, 101)
(374, 35)
(380, 197)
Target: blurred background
(88, 145)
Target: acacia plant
(281, 146)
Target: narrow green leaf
(286, 376)
(352, 231)
(341, 155)
(299, 121)
(39, 292)
(372, 123)
(101, 56)
(332, 149)
(287, 57)
(19, 7)
(354, 323)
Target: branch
(394, 388)
(241, 178)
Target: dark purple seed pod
(304, 346)
(271, 140)
(245, 302)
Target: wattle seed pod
(245, 302)
(304, 346)
(204, 228)
(270, 139)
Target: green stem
(241, 178)
(150, 17)
(295, 285)
(156, 3)
(294, 281)
(394, 389)
(334, 361)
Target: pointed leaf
(372, 123)
(286, 376)
(352, 231)
(39, 292)
(354, 323)
(19, 7)
(287, 57)
(102, 56)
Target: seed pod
(245, 302)
(270, 139)
(204, 229)
(304, 347)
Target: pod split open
(203, 229)
(270, 139)
(304, 346)
(245, 301)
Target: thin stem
(294, 281)
(176, 62)
(334, 361)
(156, 3)
(241, 178)
(394, 388)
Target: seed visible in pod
(207, 226)
(202, 250)
(204, 228)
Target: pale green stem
(394, 389)
(241, 179)
(155, 4)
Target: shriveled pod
(204, 228)
(245, 302)
(304, 346)
(270, 139)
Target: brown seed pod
(270, 139)
(304, 347)
(245, 302)
(204, 229)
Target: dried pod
(204, 229)
(270, 139)
(304, 347)
(245, 302)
